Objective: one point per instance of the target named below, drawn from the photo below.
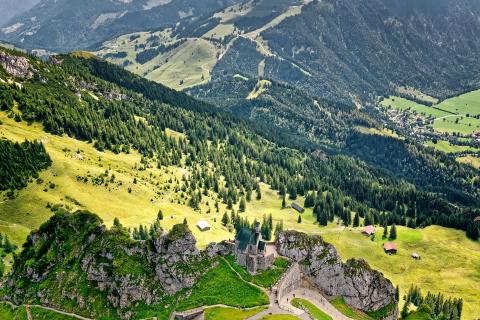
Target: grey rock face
(16, 66)
(360, 286)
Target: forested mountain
(65, 25)
(92, 100)
(11, 8)
(340, 50)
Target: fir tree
(242, 205)
(160, 215)
(393, 232)
(299, 220)
(225, 219)
(472, 231)
(356, 220)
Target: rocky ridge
(361, 287)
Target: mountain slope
(67, 25)
(314, 46)
(11, 8)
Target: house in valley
(368, 230)
(390, 248)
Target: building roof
(245, 237)
(203, 225)
(477, 219)
(415, 255)
(297, 207)
(369, 229)
(390, 246)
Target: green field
(8, 313)
(316, 313)
(280, 317)
(450, 115)
(344, 308)
(187, 65)
(222, 286)
(219, 313)
(449, 261)
(446, 147)
(473, 161)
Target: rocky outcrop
(360, 286)
(16, 66)
(175, 258)
(73, 251)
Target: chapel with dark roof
(251, 250)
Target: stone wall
(290, 281)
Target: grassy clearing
(418, 316)
(473, 161)
(446, 147)
(420, 109)
(463, 104)
(280, 317)
(316, 313)
(344, 308)
(222, 286)
(449, 261)
(187, 66)
(230, 313)
(8, 313)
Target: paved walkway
(317, 299)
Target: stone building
(251, 250)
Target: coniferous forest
(226, 155)
(20, 162)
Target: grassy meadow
(450, 115)
(223, 286)
(219, 313)
(450, 262)
(446, 147)
(311, 309)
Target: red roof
(369, 230)
(390, 246)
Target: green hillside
(127, 148)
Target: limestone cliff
(74, 263)
(360, 286)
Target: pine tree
(116, 223)
(225, 219)
(323, 221)
(299, 220)
(242, 205)
(284, 202)
(160, 215)
(385, 231)
(259, 192)
(472, 231)
(185, 222)
(393, 232)
(356, 220)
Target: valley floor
(450, 262)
